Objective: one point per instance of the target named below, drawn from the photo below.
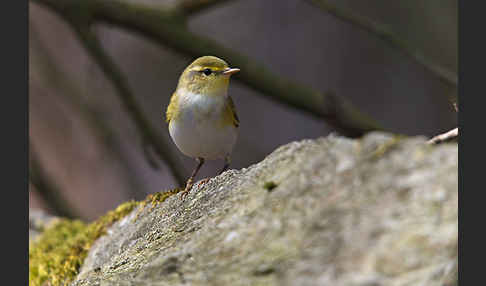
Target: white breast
(198, 131)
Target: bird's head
(207, 75)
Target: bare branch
(51, 73)
(149, 134)
(167, 28)
(195, 6)
(450, 135)
(389, 37)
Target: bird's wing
(172, 108)
(232, 111)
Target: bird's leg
(227, 161)
(200, 162)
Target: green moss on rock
(269, 186)
(155, 199)
(387, 146)
(57, 255)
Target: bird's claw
(184, 195)
(186, 192)
(202, 182)
(189, 187)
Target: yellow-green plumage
(172, 108)
(230, 113)
(202, 116)
(193, 80)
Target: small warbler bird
(201, 115)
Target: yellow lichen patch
(156, 199)
(385, 147)
(56, 256)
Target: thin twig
(389, 37)
(450, 135)
(168, 29)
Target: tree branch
(50, 73)
(168, 28)
(386, 35)
(149, 134)
(188, 7)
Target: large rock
(380, 210)
(38, 221)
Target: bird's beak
(230, 71)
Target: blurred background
(88, 154)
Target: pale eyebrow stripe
(213, 68)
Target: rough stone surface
(38, 220)
(374, 211)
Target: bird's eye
(207, 71)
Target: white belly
(198, 131)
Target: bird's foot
(202, 182)
(186, 191)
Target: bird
(201, 116)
